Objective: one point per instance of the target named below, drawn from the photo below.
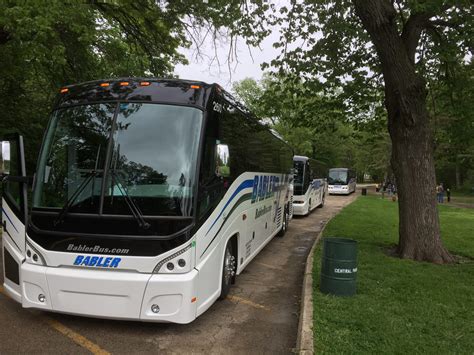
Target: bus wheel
(284, 225)
(228, 270)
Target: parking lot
(259, 316)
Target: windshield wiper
(69, 203)
(95, 168)
(136, 212)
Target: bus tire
(284, 225)
(228, 270)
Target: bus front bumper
(110, 294)
(300, 208)
(338, 191)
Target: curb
(304, 340)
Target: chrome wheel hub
(229, 266)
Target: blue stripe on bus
(244, 185)
(3, 210)
(244, 198)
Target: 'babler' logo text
(97, 261)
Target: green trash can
(339, 267)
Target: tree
(451, 104)
(43, 48)
(363, 45)
(311, 122)
(251, 93)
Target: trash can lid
(340, 240)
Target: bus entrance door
(14, 211)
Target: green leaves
(324, 46)
(325, 40)
(43, 47)
(451, 104)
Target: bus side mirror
(13, 175)
(5, 158)
(222, 160)
(12, 160)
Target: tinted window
(211, 187)
(154, 159)
(338, 176)
(298, 178)
(74, 147)
(307, 177)
(253, 148)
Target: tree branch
(415, 24)
(433, 30)
(412, 31)
(439, 22)
(400, 11)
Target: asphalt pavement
(259, 316)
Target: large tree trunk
(408, 124)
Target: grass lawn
(463, 198)
(401, 306)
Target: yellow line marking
(76, 337)
(237, 299)
(71, 334)
(268, 265)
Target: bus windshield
(298, 177)
(338, 177)
(146, 151)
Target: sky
(246, 67)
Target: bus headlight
(179, 262)
(33, 256)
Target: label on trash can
(345, 271)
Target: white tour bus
(342, 181)
(310, 187)
(150, 196)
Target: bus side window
(210, 186)
(352, 176)
(307, 177)
(243, 145)
(312, 172)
